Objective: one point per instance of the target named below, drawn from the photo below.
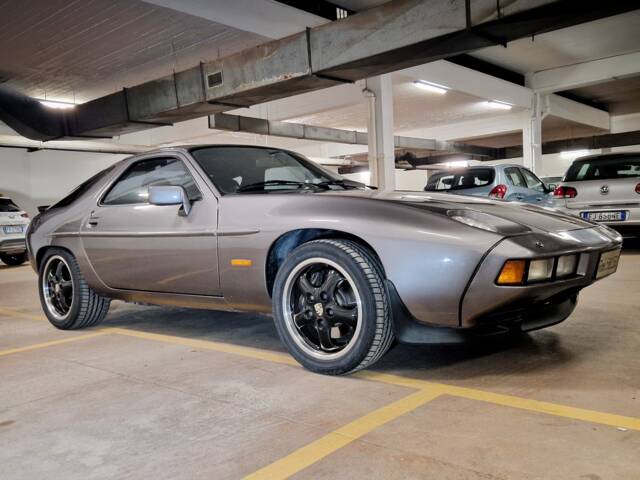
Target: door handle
(93, 220)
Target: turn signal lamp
(512, 272)
(540, 270)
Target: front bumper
(485, 302)
(12, 246)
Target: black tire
(375, 335)
(15, 259)
(85, 309)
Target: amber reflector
(512, 273)
(241, 262)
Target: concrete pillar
(379, 92)
(532, 134)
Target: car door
(536, 191)
(517, 189)
(134, 245)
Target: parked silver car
(13, 225)
(344, 269)
(605, 189)
(513, 183)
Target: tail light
(24, 215)
(499, 191)
(565, 192)
(638, 189)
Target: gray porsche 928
(345, 269)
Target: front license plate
(612, 216)
(13, 229)
(608, 263)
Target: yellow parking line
(260, 354)
(512, 401)
(10, 312)
(52, 343)
(317, 450)
(470, 393)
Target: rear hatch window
(460, 179)
(6, 205)
(603, 169)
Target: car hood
(530, 217)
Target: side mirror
(170, 195)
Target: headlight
(566, 266)
(540, 270)
(485, 221)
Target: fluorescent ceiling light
(58, 105)
(457, 163)
(431, 87)
(498, 104)
(574, 153)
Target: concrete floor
(195, 402)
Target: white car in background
(13, 225)
(605, 189)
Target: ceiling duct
(393, 36)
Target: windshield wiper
(344, 183)
(261, 185)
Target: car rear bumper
(630, 225)
(12, 246)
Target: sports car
(345, 269)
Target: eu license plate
(611, 216)
(13, 229)
(608, 263)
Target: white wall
(45, 176)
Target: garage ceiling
(618, 97)
(79, 50)
(606, 37)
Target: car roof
(476, 167)
(605, 156)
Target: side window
(440, 182)
(533, 182)
(133, 185)
(515, 177)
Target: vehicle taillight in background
(499, 191)
(24, 215)
(638, 189)
(565, 192)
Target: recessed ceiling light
(431, 87)
(56, 104)
(498, 104)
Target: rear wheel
(67, 300)
(14, 259)
(331, 307)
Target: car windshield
(6, 205)
(460, 180)
(262, 170)
(603, 169)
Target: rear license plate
(13, 229)
(612, 216)
(608, 263)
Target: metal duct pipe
(275, 128)
(393, 36)
(16, 141)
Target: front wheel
(331, 307)
(14, 260)
(67, 300)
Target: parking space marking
(521, 403)
(319, 449)
(51, 343)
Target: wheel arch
(287, 242)
(42, 251)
